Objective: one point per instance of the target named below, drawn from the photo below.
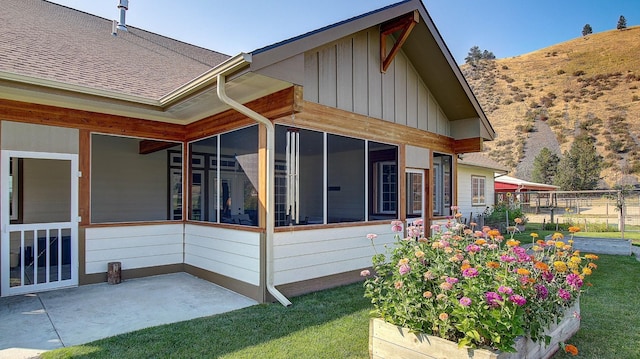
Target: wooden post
(114, 272)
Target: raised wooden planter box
(391, 341)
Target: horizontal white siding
(303, 255)
(233, 253)
(346, 75)
(464, 190)
(133, 246)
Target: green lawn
(334, 324)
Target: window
(477, 190)
(415, 192)
(131, 183)
(224, 178)
(442, 186)
(326, 178)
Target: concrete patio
(34, 323)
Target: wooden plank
(423, 107)
(86, 120)
(150, 146)
(468, 145)
(325, 118)
(412, 96)
(402, 24)
(277, 104)
(84, 182)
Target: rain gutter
(269, 205)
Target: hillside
(544, 98)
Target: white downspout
(270, 175)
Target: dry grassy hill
(590, 83)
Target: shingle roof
(53, 42)
(480, 160)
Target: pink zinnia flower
(541, 291)
(470, 272)
(506, 290)
(404, 269)
(518, 300)
(396, 226)
(372, 236)
(465, 302)
(574, 281)
(365, 273)
(493, 299)
(564, 294)
(446, 286)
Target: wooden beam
(404, 25)
(150, 146)
(325, 118)
(467, 145)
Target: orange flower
(465, 266)
(493, 233)
(557, 236)
(480, 241)
(493, 264)
(542, 266)
(591, 256)
(592, 265)
(571, 349)
(445, 316)
(574, 229)
(522, 271)
(512, 243)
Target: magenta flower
(541, 291)
(493, 299)
(465, 302)
(404, 269)
(473, 248)
(574, 281)
(518, 300)
(505, 290)
(507, 258)
(547, 275)
(470, 272)
(564, 294)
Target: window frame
(479, 184)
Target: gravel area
(541, 137)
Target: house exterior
(262, 172)
(475, 190)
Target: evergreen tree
(545, 166)
(579, 168)
(586, 30)
(475, 55)
(622, 23)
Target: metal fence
(590, 210)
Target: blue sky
(505, 27)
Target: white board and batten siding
(133, 246)
(304, 255)
(232, 253)
(346, 75)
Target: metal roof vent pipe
(123, 6)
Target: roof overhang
(191, 102)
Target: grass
(334, 324)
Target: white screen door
(39, 221)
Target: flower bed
(474, 287)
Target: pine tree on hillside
(586, 30)
(545, 166)
(475, 55)
(622, 23)
(579, 168)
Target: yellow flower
(586, 271)
(419, 254)
(537, 248)
(576, 259)
(403, 261)
(559, 244)
(534, 235)
(512, 243)
(557, 236)
(560, 266)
